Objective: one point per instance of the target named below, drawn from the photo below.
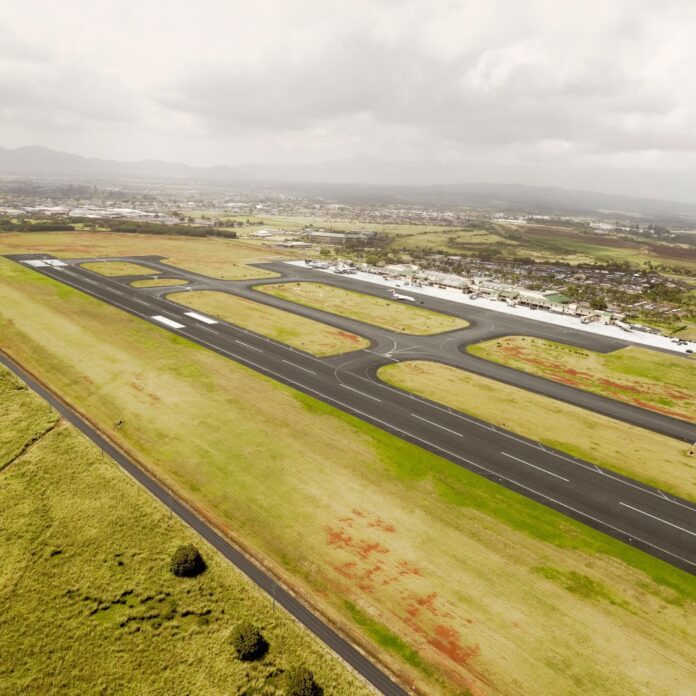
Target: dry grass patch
(299, 332)
(226, 259)
(635, 452)
(117, 268)
(639, 376)
(158, 282)
(388, 314)
(457, 582)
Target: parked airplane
(404, 298)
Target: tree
(187, 562)
(299, 681)
(598, 303)
(248, 642)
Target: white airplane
(405, 298)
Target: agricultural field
(117, 268)
(285, 327)
(88, 599)
(635, 452)
(388, 314)
(546, 243)
(158, 282)
(226, 259)
(458, 584)
(639, 376)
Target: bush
(248, 641)
(299, 681)
(187, 562)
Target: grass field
(639, 376)
(389, 314)
(117, 268)
(226, 259)
(458, 583)
(158, 282)
(299, 332)
(89, 604)
(641, 454)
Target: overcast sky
(598, 94)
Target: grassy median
(639, 376)
(285, 327)
(158, 282)
(117, 268)
(388, 314)
(89, 604)
(457, 582)
(641, 454)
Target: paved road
(635, 513)
(359, 662)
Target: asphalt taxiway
(633, 512)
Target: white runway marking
(56, 263)
(659, 519)
(167, 322)
(35, 263)
(357, 391)
(241, 343)
(299, 367)
(534, 466)
(200, 317)
(437, 425)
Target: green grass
(299, 332)
(117, 268)
(89, 604)
(639, 376)
(640, 454)
(388, 314)
(441, 558)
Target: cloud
(535, 83)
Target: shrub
(299, 681)
(248, 642)
(187, 562)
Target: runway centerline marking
(437, 425)
(241, 343)
(357, 391)
(299, 367)
(534, 466)
(659, 519)
(168, 322)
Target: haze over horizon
(583, 95)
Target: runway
(635, 513)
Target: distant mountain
(355, 181)
(42, 161)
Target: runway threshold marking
(534, 466)
(437, 425)
(659, 519)
(357, 391)
(299, 367)
(241, 343)
(168, 322)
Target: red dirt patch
(448, 642)
(349, 336)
